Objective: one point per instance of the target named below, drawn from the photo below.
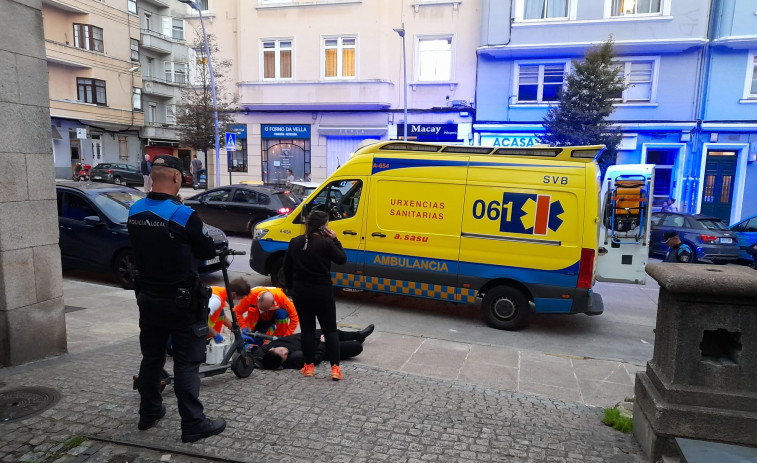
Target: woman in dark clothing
(307, 274)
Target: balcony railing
(160, 87)
(160, 130)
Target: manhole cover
(22, 402)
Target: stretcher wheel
(505, 308)
(243, 365)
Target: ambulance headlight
(259, 233)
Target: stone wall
(32, 322)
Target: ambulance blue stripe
(271, 246)
(384, 164)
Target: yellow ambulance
(518, 227)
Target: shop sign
(81, 133)
(509, 140)
(240, 130)
(285, 131)
(428, 132)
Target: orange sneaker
(336, 372)
(308, 370)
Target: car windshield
(116, 204)
(710, 224)
(287, 200)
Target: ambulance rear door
(624, 228)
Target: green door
(719, 176)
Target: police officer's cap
(669, 235)
(164, 160)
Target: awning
(56, 134)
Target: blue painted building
(689, 107)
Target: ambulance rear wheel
(505, 308)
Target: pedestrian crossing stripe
(409, 288)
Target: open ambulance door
(626, 207)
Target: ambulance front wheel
(277, 272)
(505, 308)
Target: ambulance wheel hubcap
(505, 308)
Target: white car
(303, 189)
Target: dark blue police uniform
(167, 238)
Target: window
(177, 29)
(74, 207)
(674, 221)
(88, 37)
(434, 59)
(217, 196)
(664, 161)
(277, 59)
(134, 49)
(635, 7)
(171, 113)
(91, 91)
(339, 57)
(245, 196)
(136, 97)
(639, 77)
(539, 83)
(545, 9)
(152, 114)
(203, 4)
(132, 6)
(341, 199)
(175, 72)
(750, 89)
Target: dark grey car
(118, 173)
(708, 236)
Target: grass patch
(71, 443)
(621, 423)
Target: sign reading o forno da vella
(285, 131)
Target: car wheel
(277, 272)
(505, 308)
(118, 181)
(125, 268)
(254, 224)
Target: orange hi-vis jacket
(248, 314)
(215, 321)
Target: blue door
(719, 176)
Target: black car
(93, 235)
(120, 174)
(238, 208)
(708, 237)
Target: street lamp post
(401, 32)
(195, 6)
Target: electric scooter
(237, 358)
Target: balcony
(160, 88)
(107, 117)
(160, 130)
(66, 5)
(317, 95)
(159, 43)
(158, 3)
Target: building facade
(315, 78)
(674, 114)
(163, 58)
(95, 82)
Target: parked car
(303, 189)
(120, 174)
(709, 237)
(93, 235)
(187, 179)
(746, 231)
(238, 208)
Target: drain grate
(22, 402)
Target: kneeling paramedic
(168, 238)
(268, 311)
(218, 300)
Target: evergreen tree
(194, 120)
(586, 101)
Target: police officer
(167, 237)
(679, 252)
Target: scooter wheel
(243, 365)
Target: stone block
(13, 186)
(33, 332)
(47, 272)
(32, 78)
(25, 129)
(41, 174)
(26, 223)
(8, 78)
(16, 273)
(21, 28)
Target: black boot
(146, 423)
(364, 333)
(205, 429)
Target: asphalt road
(623, 332)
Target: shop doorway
(75, 155)
(665, 177)
(279, 156)
(718, 184)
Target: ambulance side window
(340, 199)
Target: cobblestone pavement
(373, 415)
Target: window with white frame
(132, 5)
(639, 78)
(543, 9)
(750, 88)
(434, 59)
(134, 45)
(175, 72)
(136, 99)
(277, 59)
(635, 7)
(198, 66)
(173, 28)
(170, 113)
(339, 57)
(539, 82)
(203, 4)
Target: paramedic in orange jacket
(218, 301)
(268, 311)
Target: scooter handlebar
(230, 252)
